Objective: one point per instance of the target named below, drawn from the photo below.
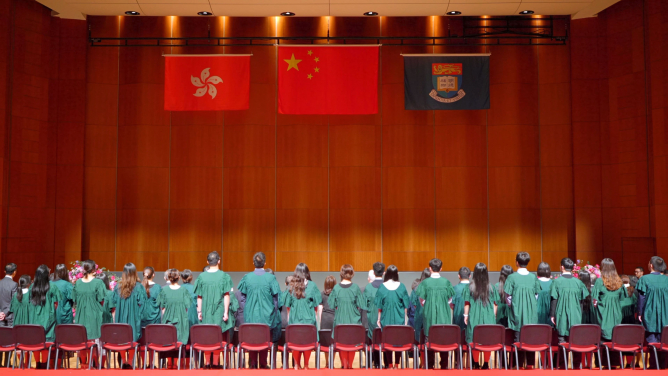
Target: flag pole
(480, 54)
(205, 55)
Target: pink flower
(80, 275)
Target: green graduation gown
(302, 311)
(502, 309)
(436, 293)
(129, 310)
(21, 310)
(261, 289)
(151, 314)
(64, 311)
(346, 301)
(608, 310)
(107, 317)
(569, 292)
(45, 315)
(629, 309)
(176, 303)
(480, 313)
(458, 301)
(212, 287)
(370, 301)
(523, 289)
(88, 296)
(418, 319)
(193, 319)
(655, 289)
(392, 304)
(543, 303)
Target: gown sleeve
(198, 287)
(361, 302)
(421, 291)
(536, 286)
(188, 300)
(405, 301)
(509, 286)
(242, 285)
(380, 297)
(100, 292)
(333, 298)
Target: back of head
(129, 280)
(567, 263)
(464, 272)
(268, 270)
(347, 272)
(40, 286)
(330, 282)
(61, 273)
(297, 286)
(259, 259)
(149, 272)
(544, 270)
(10, 268)
(426, 273)
(173, 275)
(627, 283)
(658, 264)
(479, 286)
(303, 271)
(102, 276)
(378, 269)
(88, 267)
(186, 276)
(505, 271)
(523, 259)
(213, 258)
(609, 275)
(586, 279)
(435, 265)
(24, 283)
(288, 279)
(392, 273)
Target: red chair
(487, 338)
(660, 346)
(398, 338)
(116, 338)
(207, 338)
(141, 346)
(584, 338)
(74, 338)
(626, 338)
(349, 337)
(443, 338)
(161, 338)
(301, 337)
(324, 339)
(32, 338)
(534, 338)
(376, 339)
(7, 343)
(255, 337)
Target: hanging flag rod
(207, 55)
(328, 45)
(480, 54)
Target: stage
(325, 372)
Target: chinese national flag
(328, 80)
(207, 83)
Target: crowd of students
(517, 299)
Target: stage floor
(325, 372)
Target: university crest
(447, 82)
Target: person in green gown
(415, 315)
(458, 301)
(88, 295)
(108, 306)
(20, 306)
(44, 296)
(312, 291)
(652, 302)
(186, 283)
(502, 309)
(151, 313)
(375, 281)
(283, 298)
(301, 310)
(480, 305)
(567, 294)
(174, 301)
(129, 301)
(629, 303)
(588, 314)
(544, 274)
(521, 289)
(607, 294)
(261, 292)
(212, 288)
(347, 301)
(436, 294)
(61, 280)
(392, 301)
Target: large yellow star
(292, 62)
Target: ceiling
(78, 9)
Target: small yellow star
(310, 53)
(316, 69)
(310, 76)
(292, 62)
(317, 59)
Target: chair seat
(387, 347)
(486, 347)
(119, 347)
(159, 348)
(658, 346)
(255, 347)
(307, 347)
(578, 348)
(340, 347)
(526, 347)
(213, 347)
(76, 347)
(37, 347)
(617, 347)
(442, 348)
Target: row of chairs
(160, 338)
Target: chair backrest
(301, 334)
(399, 335)
(6, 336)
(206, 334)
(628, 334)
(536, 334)
(325, 337)
(116, 334)
(142, 339)
(664, 335)
(489, 334)
(160, 334)
(509, 337)
(254, 334)
(29, 334)
(445, 335)
(585, 335)
(350, 334)
(377, 336)
(71, 334)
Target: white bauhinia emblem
(206, 83)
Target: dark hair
(633, 281)
(10, 268)
(147, 277)
(425, 274)
(129, 280)
(330, 282)
(40, 286)
(302, 269)
(172, 275)
(104, 278)
(522, 259)
(378, 269)
(627, 281)
(567, 263)
(392, 273)
(206, 268)
(658, 264)
(213, 258)
(298, 282)
(259, 259)
(24, 283)
(186, 276)
(544, 270)
(268, 270)
(288, 279)
(505, 271)
(347, 272)
(435, 265)
(479, 286)
(464, 272)
(586, 279)
(641, 268)
(61, 273)
(88, 267)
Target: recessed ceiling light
(370, 13)
(526, 12)
(132, 13)
(454, 13)
(287, 14)
(205, 13)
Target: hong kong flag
(207, 82)
(328, 79)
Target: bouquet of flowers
(587, 268)
(76, 272)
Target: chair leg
(551, 360)
(317, 357)
(517, 359)
(90, 357)
(607, 352)
(642, 356)
(460, 357)
(178, 362)
(380, 356)
(599, 358)
(56, 359)
(470, 359)
(48, 358)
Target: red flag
(207, 83)
(328, 80)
